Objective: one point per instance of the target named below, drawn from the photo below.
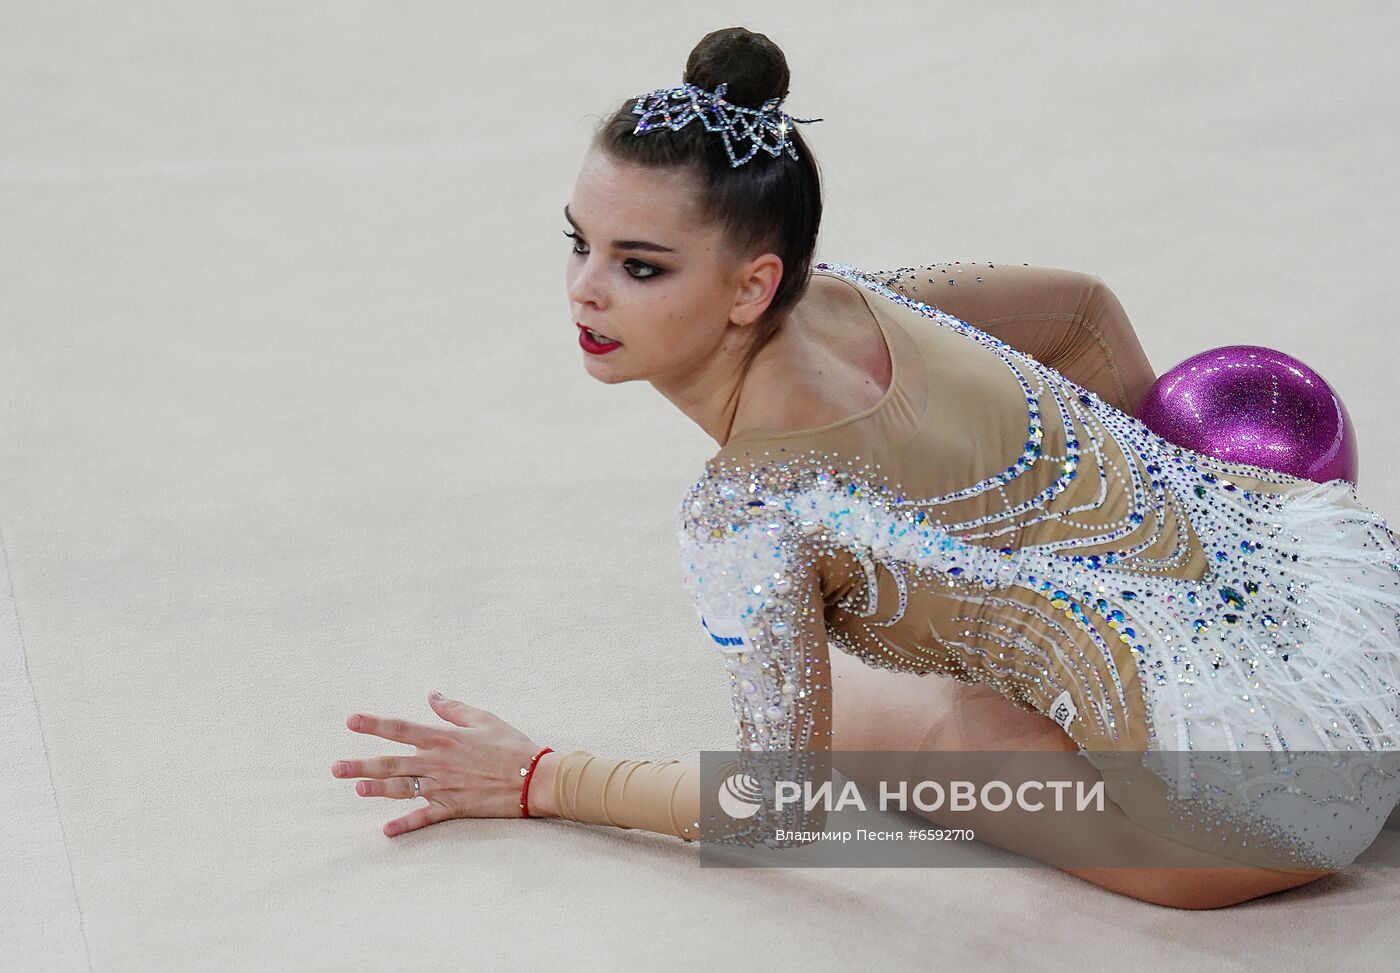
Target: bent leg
(881, 710)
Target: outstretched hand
(468, 767)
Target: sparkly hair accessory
(681, 105)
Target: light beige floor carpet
(293, 424)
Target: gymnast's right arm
(1069, 320)
(759, 598)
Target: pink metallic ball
(1250, 404)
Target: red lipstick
(593, 347)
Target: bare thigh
(882, 710)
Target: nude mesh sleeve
(654, 795)
(1069, 320)
(756, 589)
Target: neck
(713, 395)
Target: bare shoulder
(828, 362)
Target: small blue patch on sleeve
(728, 634)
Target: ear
(758, 281)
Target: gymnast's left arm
(1069, 320)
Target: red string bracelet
(525, 787)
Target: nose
(583, 283)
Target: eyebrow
(646, 245)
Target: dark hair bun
(753, 66)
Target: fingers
(419, 735)
(378, 767)
(397, 788)
(400, 731)
(458, 712)
(421, 818)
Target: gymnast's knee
(1197, 889)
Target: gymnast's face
(662, 289)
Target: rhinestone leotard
(991, 520)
